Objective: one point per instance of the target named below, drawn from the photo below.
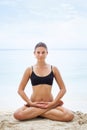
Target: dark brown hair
(41, 44)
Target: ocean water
(72, 65)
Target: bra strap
(51, 68)
(32, 68)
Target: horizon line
(2, 49)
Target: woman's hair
(41, 44)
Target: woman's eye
(38, 52)
(43, 52)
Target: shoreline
(7, 122)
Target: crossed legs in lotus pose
(59, 113)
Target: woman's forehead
(41, 49)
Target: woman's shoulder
(28, 70)
(55, 69)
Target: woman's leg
(59, 114)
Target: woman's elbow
(19, 91)
(64, 90)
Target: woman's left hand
(45, 105)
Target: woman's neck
(41, 64)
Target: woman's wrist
(58, 102)
(29, 102)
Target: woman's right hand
(32, 104)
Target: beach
(62, 25)
(7, 122)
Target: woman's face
(40, 53)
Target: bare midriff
(41, 93)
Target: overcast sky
(58, 23)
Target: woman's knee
(18, 115)
(68, 116)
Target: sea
(72, 64)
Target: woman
(41, 102)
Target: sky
(58, 23)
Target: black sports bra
(37, 80)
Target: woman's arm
(23, 83)
(61, 85)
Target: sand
(7, 122)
